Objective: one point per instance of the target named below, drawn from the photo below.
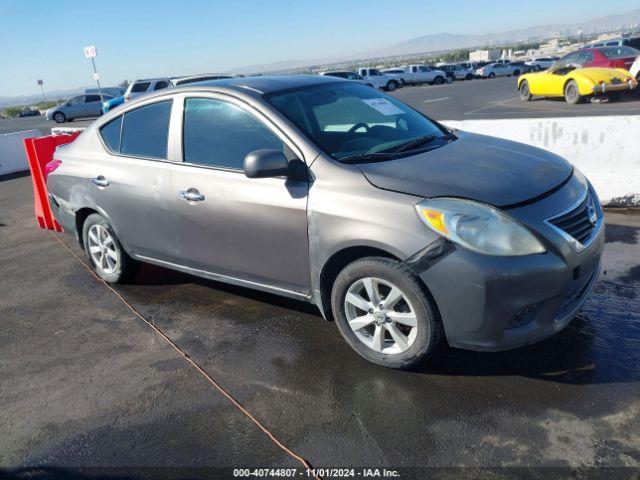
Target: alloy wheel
(380, 315)
(103, 249)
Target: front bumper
(499, 303)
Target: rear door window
(160, 85)
(92, 98)
(145, 131)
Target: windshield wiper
(416, 142)
(363, 157)
(385, 155)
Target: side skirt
(304, 296)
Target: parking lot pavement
(498, 98)
(86, 382)
(8, 125)
(460, 100)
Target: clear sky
(138, 38)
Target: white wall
(13, 157)
(606, 149)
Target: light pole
(91, 52)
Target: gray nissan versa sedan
(324, 190)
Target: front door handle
(191, 195)
(100, 181)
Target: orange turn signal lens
(435, 219)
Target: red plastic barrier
(39, 153)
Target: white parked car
(635, 68)
(376, 79)
(498, 70)
(416, 74)
(540, 63)
(344, 74)
(142, 86)
(457, 71)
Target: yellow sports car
(574, 84)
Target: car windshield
(353, 122)
(619, 52)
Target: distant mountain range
(36, 98)
(449, 41)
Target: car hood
(52, 109)
(477, 167)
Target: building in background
(484, 55)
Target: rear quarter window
(110, 134)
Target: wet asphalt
(85, 383)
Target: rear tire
(391, 85)
(438, 80)
(571, 93)
(364, 323)
(525, 92)
(106, 255)
(468, 77)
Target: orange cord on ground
(226, 394)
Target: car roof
(268, 84)
(149, 79)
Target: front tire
(492, 75)
(391, 85)
(571, 93)
(59, 117)
(106, 255)
(525, 92)
(384, 313)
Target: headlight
(478, 227)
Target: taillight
(51, 167)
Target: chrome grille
(580, 222)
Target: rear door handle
(100, 181)
(191, 195)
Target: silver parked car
(498, 69)
(77, 107)
(324, 190)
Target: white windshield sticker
(382, 105)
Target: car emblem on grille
(591, 213)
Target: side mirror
(266, 163)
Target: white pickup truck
(376, 79)
(416, 74)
